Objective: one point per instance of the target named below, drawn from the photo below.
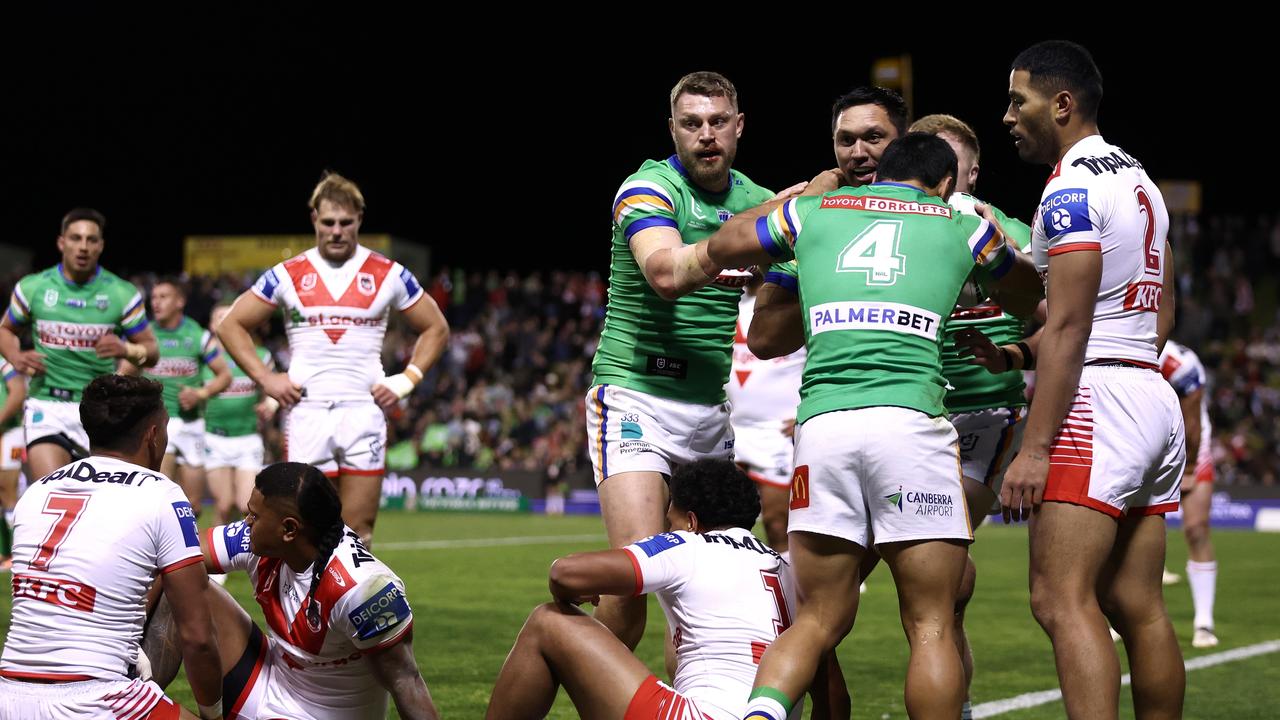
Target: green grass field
(470, 596)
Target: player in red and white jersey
(1103, 451)
(1182, 368)
(726, 596)
(764, 395)
(339, 629)
(336, 298)
(89, 541)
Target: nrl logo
(308, 282)
(365, 283)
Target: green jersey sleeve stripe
(764, 234)
(646, 223)
(641, 196)
(783, 280)
(19, 308)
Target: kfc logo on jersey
(308, 282)
(1143, 296)
(366, 284)
(63, 593)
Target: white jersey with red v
(336, 317)
(362, 610)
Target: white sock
(765, 708)
(966, 711)
(1203, 579)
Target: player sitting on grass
(725, 593)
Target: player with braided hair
(339, 630)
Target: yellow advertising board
(218, 254)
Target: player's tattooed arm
(396, 671)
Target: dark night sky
(503, 151)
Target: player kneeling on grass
(339, 630)
(726, 596)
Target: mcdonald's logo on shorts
(800, 487)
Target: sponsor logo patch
(800, 487)
(380, 613)
(1066, 211)
(187, 521)
(655, 544)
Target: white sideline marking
(487, 542)
(1032, 699)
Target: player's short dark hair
(918, 156)
(720, 494)
(707, 84)
(176, 282)
(1057, 65)
(894, 106)
(84, 213)
(115, 409)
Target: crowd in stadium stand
(508, 393)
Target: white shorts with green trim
(629, 431)
(243, 452)
(878, 475)
(989, 440)
(43, 418)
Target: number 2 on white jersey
(1149, 231)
